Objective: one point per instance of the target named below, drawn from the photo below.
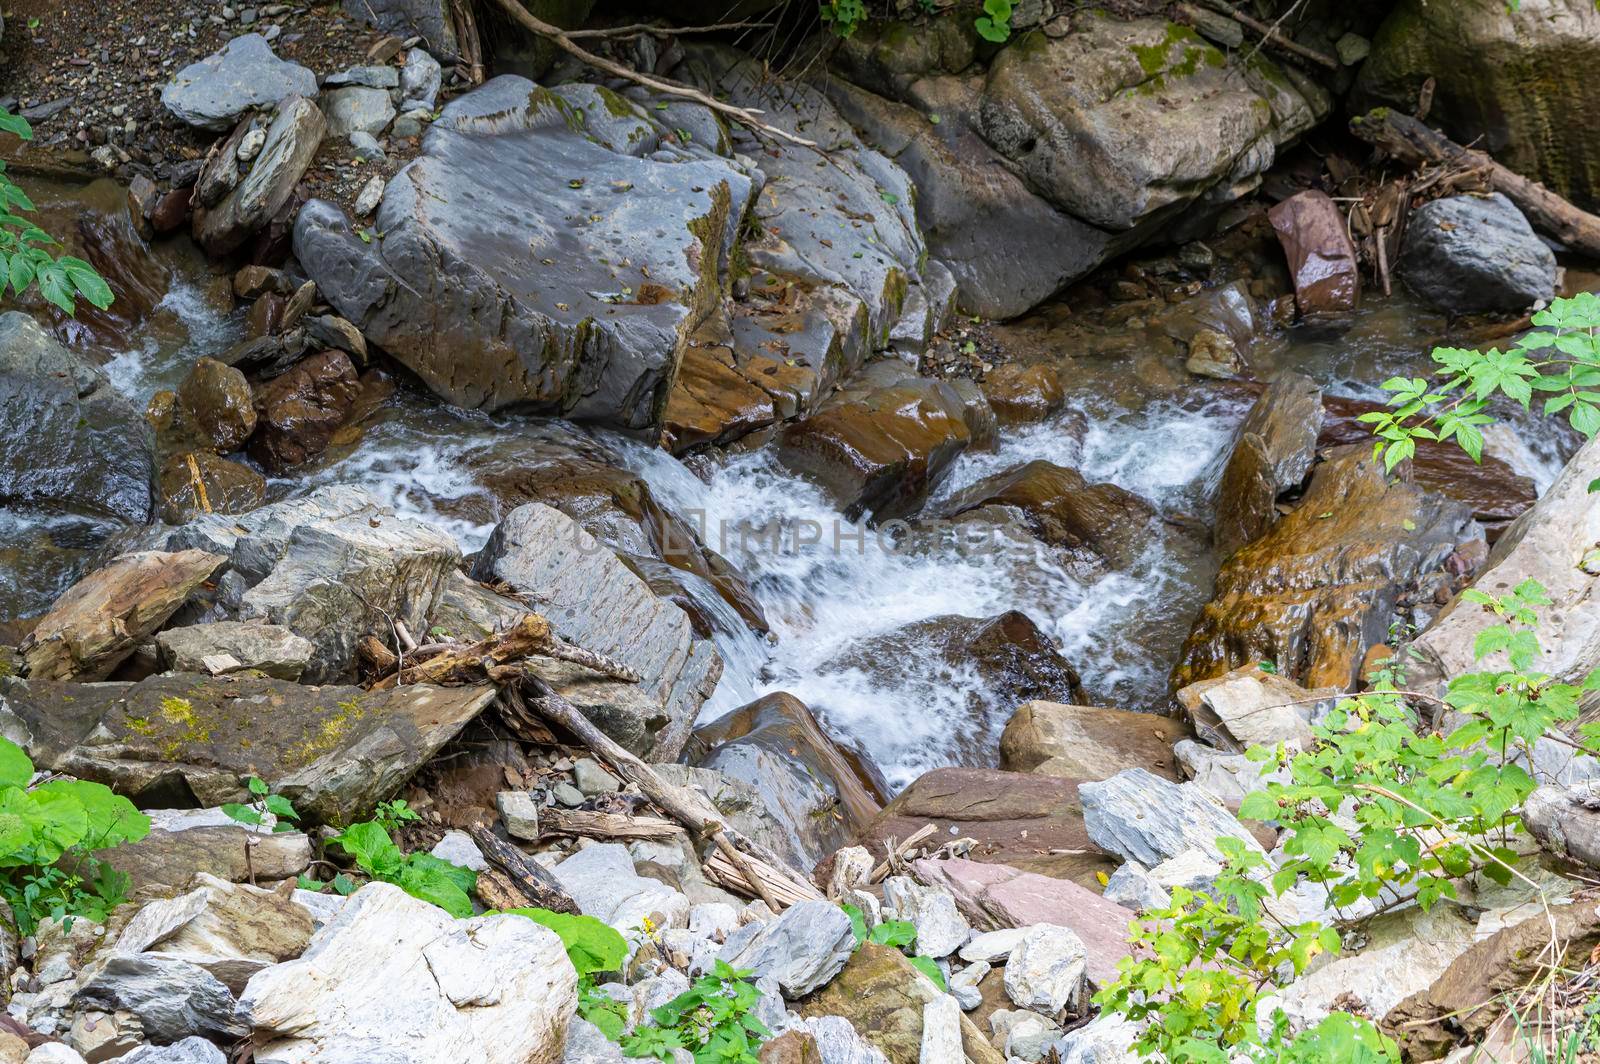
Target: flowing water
(828, 586)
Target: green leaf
(16, 768)
(244, 814)
(371, 847)
(858, 922)
(930, 968)
(15, 124)
(256, 785)
(436, 880)
(592, 945)
(112, 819)
(281, 807)
(895, 933)
(86, 280)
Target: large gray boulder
(1476, 253)
(67, 438)
(244, 76)
(173, 998)
(523, 260)
(330, 567)
(596, 602)
(334, 751)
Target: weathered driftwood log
(1414, 143)
(99, 620)
(757, 866)
(589, 824)
(465, 663)
(538, 886)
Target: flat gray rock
(291, 141)
(802, 949)
(207, 648)
(1476, 253)
(1142, 817)
(191, 1050)
(358, 109)
(244, 76)
(173, 998)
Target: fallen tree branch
(463, 663)
(697, 815)
(1268, 34)
(563, 39)
(896, 854)
(592, 825)
(530, 879)
(1414, 143)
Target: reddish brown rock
(198, 482)
(1065, 510)
(1020, 394)
(1271, 455)
(1033, 823)
(171, 211)
(218, 402)
(298, 411)
(1088, 742)
(1322, 260)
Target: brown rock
(1324, 583)
(251, 282)
(198, 482)
(1021, 394)
(882, 996)
(713, 402)
(1322, 260)
(1496, 492)
(995, 896)
(1215, 354)
(99, 620)
(1272, 454)
(1088, 742)
(1470, 997)
(1030, 822)
(1064, 510)
(824, 792)
(880, 452)
(217, 399)
(1249, 707)
(266, 316)
(791, 1047)
(299, 411)
(171, 211)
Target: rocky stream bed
(939, 507)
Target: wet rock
(1506, 81)
(882, 997)
(602, 880)
(1148, 819)
(235, 646)
(185, 842)
(358, 109)
(1322, 260)
(1087, 742)
(1064, 510)
(1214, 354)
(802, 949)
(1021, 394)
(1248, 707)
(198, 482)
(172, 211)
(822, 792)
(1474, 989)
(1539, 545)
(1032, 822)
(1325, 582)
(999, 896)
(1496, 492)
(1272, 454)
(299, 410)
(1476, 253)
(231, 930)
(173, 998)
(1204, 126)
(244, 76)
(595, 602)
(217, 399)
(941, 929)
(396, 977)
(333, 751)
(1008, 659)
(1566, 820)
(102, 618)
(292, 139)
(60, 419)
(539, 318)
(881, 453)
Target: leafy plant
(254, 812)
(712, 1020)
(421, 875)
(901, 934)
(48, 835)
(843, 17)
(25, 258)
(1560, 359)
(995, 22)
(393, 813)
(593, 946)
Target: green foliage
(391, 814)
(901, 934)
(254, 812)
(592, 945)
(421, 875)
(995, 22)
(25, 259)
(843, 16)
(1560, 359)
(48, 835)
(712, 1019)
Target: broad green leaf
(592, 945)
(113, 819)
(895, 933)
(930, 968)
(16, 768)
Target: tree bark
(529, 877)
